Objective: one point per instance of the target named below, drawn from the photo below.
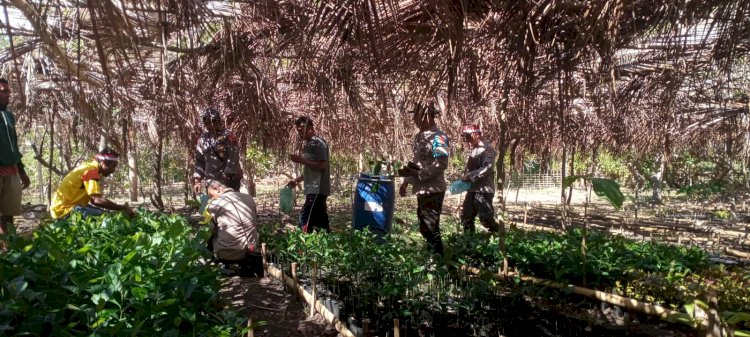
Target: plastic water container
(374, 200)
(459, 186)
(203, 198)
(286, 200)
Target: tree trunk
(656, 179)
(563, 173)
(133, 171)
(51, 152)
(248, 170)
(156, 197)
(572, 172)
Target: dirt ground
(274, 309)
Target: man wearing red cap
(480, 172)
(80, 189)
(13, 177)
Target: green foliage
(343, 164)
(395, 279)
(609, 258)
(112, 276)
(382, 166)
(604, 188)
(612, 166)
(722, 214)
(702, 190)
(261, 160)
(608, 189)
(402, 279)
(732, 290)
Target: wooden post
(294, 272)
(250, 332)
(396, 328)
(525, 212)
(714, 319)
(51, 152)
(264, 253)
(314, 288)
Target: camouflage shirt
(480, 167)
(431, 155)
(216, 156)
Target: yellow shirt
(76, 189)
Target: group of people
(426, 174)
(233, 214)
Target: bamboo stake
(250, 332)
(737, 253)
(714, 319)
(314, 288)
(328, 315)
(396, 328)
(264, 253)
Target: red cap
(472, 128)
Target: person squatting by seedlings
(316, 174)
(480, 172)
(13, 177)
(217, 153)
(234, 228)
(426, 173)
(81, 191)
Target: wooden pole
(714, 319)
(314, 288)
(396, 328)
(250, 332)
(51, 151)
(264, 253)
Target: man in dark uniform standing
(480, 172)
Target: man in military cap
(217, 153)
(480, 172)
(426, 173)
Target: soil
(273, 309)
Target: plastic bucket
(286, 200)
(374, 200)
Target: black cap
(304, 120)
(210, 114)
(430, 108)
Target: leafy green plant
(722, 214)
(112, 276)
(604, 188)
(383, 166)
(702, 190)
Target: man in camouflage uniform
(426, 174)
(217, 154)
(480, 172)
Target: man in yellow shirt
(80, 189)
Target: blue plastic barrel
(374, 201)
